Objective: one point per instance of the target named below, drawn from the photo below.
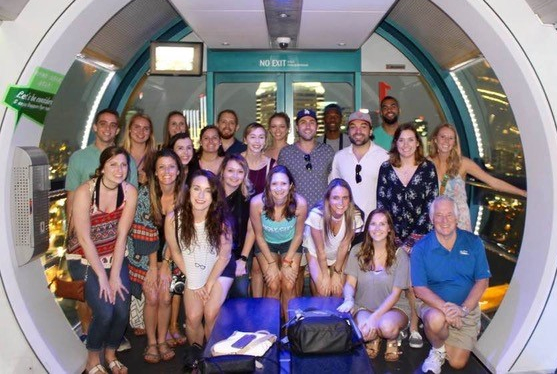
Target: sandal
(391, 352)
(149, 357)
(170, 340)
(167, 353)
(97, 369)
(372, 347)
(139, 331)
(117, 365)
(179, 339)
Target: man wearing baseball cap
(308, 161)
(359, 163)
(332, 118)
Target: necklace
(108, 188)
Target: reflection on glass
(317, 95)
(64, 129)
(252, 101)
(414, 96)
(500, 217)
(156, 96)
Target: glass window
(252, 101)
(156, 96)
(64, 130)
(413, 94)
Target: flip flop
(138, 331)
(117, 365)
(97, 369)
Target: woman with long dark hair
(102, 215)
(376, 274)
(406, 187)
(199, 236)
(278, 215)
(146, 250)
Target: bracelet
(270, 263)
(243, 258)
(465, 310)
(339, 272)
(168, 260)
(289, 262)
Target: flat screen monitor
(176, 58)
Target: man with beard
(332, 117)
(308, 161)
(359, 163)
(227, 123)
(389, 114)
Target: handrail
(475, 183)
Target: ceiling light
(225, 44)
(341, 44)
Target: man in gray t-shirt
(309, 162)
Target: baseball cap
(361, 116)
(306, 113)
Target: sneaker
(415, 340)
(434, 361)
(125, 345)
(403, 334)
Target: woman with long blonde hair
(139, 141)
(330, 229)
(452, 169)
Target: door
(256, 96)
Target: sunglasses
(307, 159)
(358, 176)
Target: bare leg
(289, 290)
(213, 305)
(194, 317)
(257, 283)
(272, 289)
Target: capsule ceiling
(311, 24)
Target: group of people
(245, 218)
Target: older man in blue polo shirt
(449, 275)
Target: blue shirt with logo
(449, 274)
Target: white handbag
(245, 343)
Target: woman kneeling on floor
(199, 236)
(376, 274)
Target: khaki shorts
(467, 336)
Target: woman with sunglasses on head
(278, 215)
(233, 175)
(452, 169)
(406, 187)
(199, 235)
(330, 229)
(376, 274)
(146, 251)
(102, 215)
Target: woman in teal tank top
(278, 215)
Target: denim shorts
(280, 248)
